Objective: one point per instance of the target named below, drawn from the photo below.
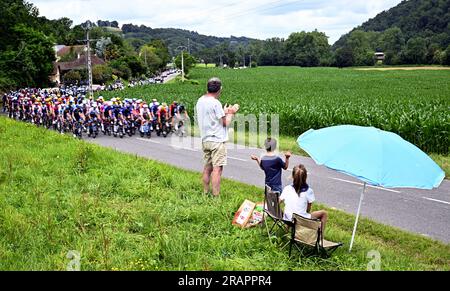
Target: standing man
(213, 121)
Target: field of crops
(414, 104)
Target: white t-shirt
(209, 115)
(293, 203)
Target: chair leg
(275, 223)
(285, 245)
(290, 249)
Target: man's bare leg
(208, 169)
(216, 176)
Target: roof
(66, 50)
(79, 63)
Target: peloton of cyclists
(68, 110)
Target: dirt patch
(403, 68)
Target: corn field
(413, 104)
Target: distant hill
(416, 18)
(177, 37)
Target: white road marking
(360, 184)
(149, 140)
(435, 200)
(238, 159)
(183, 148)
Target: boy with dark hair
(272, 165)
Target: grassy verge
(122, 212)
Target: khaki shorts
(214, 153)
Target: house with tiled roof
(79, 63)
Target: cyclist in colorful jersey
(127, 109)
(36, 112)
(145, 115)
(67, 113)
(94, 112)
(27, 109)
(77, 114)
(117, 113)
(162, 113)
(59, 112)
(107, 111)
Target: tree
(308, 49)
(13, 13)
(101, 45)
(446, 57)
(189, 62)
(136, 66)
(207, 55)
(393, 40)
(409, 20)
(344, 57)
(26, 53)
(363, 52)
(392, 43)
(30, 63)
(101, 74)
(136, 43)
(150, 59)
(415, 51)
(72, 77)
(120, 69)
(273, 53)
(161, 51)
(111, 52)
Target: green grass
(122, 212)
(414, 104)
(202, 66)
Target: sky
(260, 19)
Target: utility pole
(88, 27)
(182, 66)
(250, 65)
(89, 63)
(182, 62)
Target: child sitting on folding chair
(298, 198)
(272, 165)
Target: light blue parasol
(377, 157)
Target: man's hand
(288, 155)
(255, 158)
(231, 109)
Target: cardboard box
(244, 213)
(257, 215)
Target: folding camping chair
(273, 210)
(308, 233)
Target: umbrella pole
(357, 217)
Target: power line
(262, 8)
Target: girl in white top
(298, 198)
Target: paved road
(419, 211)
